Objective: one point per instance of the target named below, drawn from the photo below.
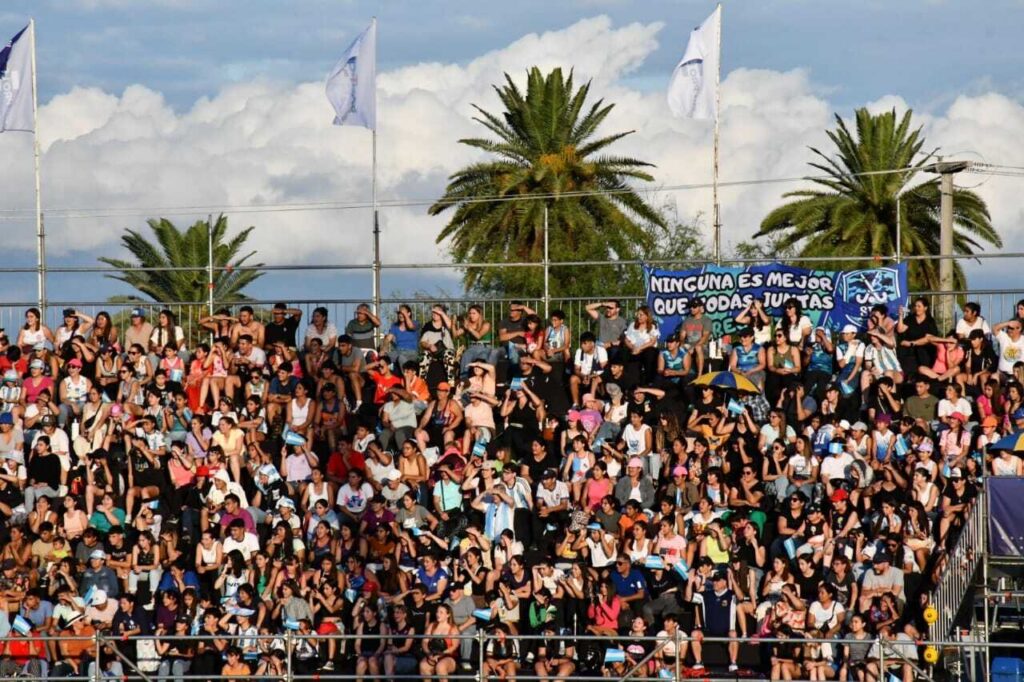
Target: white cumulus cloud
(265, 142)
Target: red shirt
(383, 383)
(338, 467)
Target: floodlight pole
(946, 170)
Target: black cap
(696, 302)
(69, 312)
(746, 331)
(549, 473)
(720, 575)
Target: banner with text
(829, 298)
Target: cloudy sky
(180, 107)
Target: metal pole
(899, 231)
(481, 638)
(984, 547)
(946, 171)
(679, 656)
(288, 661)
(209, 265)
(946, 248)
(97, 673)
(547, 264)
(40, 229)
(373, 191)
(714, 185)
(881, 659)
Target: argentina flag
(351, 85)
(16, 101)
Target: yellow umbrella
(728, 380)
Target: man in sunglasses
(1011, 346)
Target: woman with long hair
(33, 332)
(440, 649)
(784, 366)
(641, 342)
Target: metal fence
(959, 567)
(996, 305)
(666, 658)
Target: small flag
(654, 561)
(693, 90)
(614, 656)
(21, 625)
(16, 102)
(735, 406)
(482, 614)
(352, 84)
(682, 569)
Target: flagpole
(40, 234)
(373, 189)
(718, 112)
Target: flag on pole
(351, 86)
(694, 86)
(16, 84)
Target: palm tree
(547, 154)
(855, 214)
(174, 248)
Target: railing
(888, 651)
(996, 305)
(958, 567)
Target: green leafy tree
(175, 248)
(855, 215)
(547, 154)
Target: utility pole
(946, 171)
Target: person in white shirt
(587, 364)
(354, 495)
(246, 543)
(1011, 346)
(954, 402)
(971, 320)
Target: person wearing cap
(73, 392)
(139, 331)
(1011, 346)
(882, 578)
(956, 499)
(748, 357)
(98, 575)
(635, 485)
(1006, 462)
(552, 503)
(75, 647)
(718, 611)
(589, 361)
(694, 332)
(849, 360)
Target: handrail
(958, 567)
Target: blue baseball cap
(1018, 413)
(138, 312)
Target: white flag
(351, 86)
(16, 84)
(693, 91)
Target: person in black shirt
(281, 329)
(956, 498)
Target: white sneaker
(733, 667)
(698, 666)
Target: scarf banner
(831, 299)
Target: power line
(84, 213)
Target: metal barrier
(996, 305)
(889, 653)
(958, 567)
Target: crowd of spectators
(451, 475)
